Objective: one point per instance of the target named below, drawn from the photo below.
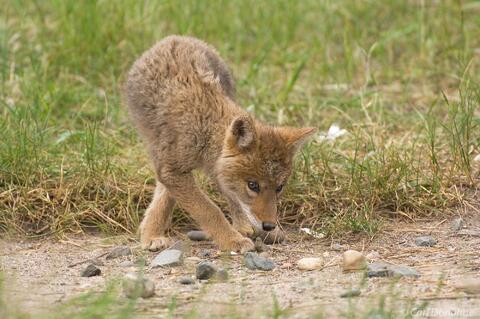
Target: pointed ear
(241, 134)
(296, 137)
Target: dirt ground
(38, 275)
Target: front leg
(239, 220)
(210, 218)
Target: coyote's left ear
(296, 137)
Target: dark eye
(279, 188)
(254, 186)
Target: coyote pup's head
(255, 165)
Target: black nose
(267, 226)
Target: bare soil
(39, 277)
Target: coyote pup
(181, 97)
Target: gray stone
(168, 258)
(205, 270)
(253, 261)
(351, 293)
(425, 241)
(457, 224)
(119, 252)
(197, 235)
(403, 271)
(380, 269)
(186, 281)
(91, 271)
(377, 269)
(135, 286)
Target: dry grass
(400, 77)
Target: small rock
(186, 281)
(379, 269)
(168, 258)
(135, 286)
(221, 275)
(91, 271)
(402, 271)
(351, 293)
(119, 252)
(205, 270)
(253, 261)
(310, 263)
(469, 285)
(197, 235)
(373, 255)
(126, 263)
(260, 245)
(425, 241)
(353, 260)
(457, 224)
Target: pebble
(168, 258)
(205, 270)
(353, 260)
(253, 261)
(260, 245)
(119, 252)
(310, 263)
(469, 285)
(135, 286)
(457, 224)
(351, 293)
(425, 241)
(91, 271)
(197, 235)
(380, 269)
(186, 281)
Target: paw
(155, 243)
(241, 244)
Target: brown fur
(181, 97)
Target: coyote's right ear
(241, 134)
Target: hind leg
(157, 220)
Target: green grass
(401, 76)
